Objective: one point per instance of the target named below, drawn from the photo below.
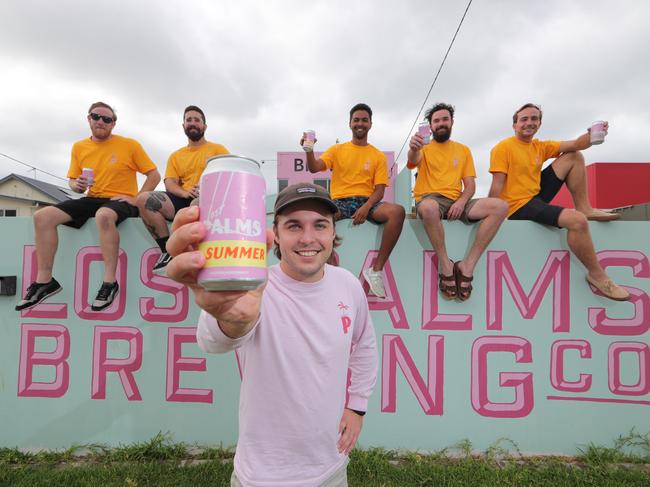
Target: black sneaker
(37, 292)
(160, 267)
(105, 296)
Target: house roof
(56, 192)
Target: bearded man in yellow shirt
(359, 178)
(184, 169)
(518, 179)
(443, 189)
(115, 160)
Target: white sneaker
(375, 282)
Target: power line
(34, 168)
(434, 81)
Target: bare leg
(429, 212)
(491, 212)
(46, 221)
(571, 168)
(155, 210)
(582, 246)
(392, 216)
(580, 242)
(109, 241)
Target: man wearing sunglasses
(114, 161)
(184, 169)
(518, 179)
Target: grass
(160, 462)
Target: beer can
(309, 140)
(233, 210)
(424, 129)
(87, 172)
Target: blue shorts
(348, 206)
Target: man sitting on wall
(443, 189)
(115, 160)
(518, 179)
(359, 177)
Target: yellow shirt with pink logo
(356, 169)
(521, 162)
(114, 162)
(187, 164)
(442, 169)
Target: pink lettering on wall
(175, 313)
(29, 359)
(556, 269)
(125, 367)
(639, 323)
(558, 381)
(431, 319)
(49, 309)
(430, 396)
(392, 303)
(642, 387)
(115, 311)
(522, 382)
(176, 364)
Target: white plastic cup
(424, 129)
(597, 132)
(308, 141)
(87, 172)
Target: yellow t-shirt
(522, 163)
(187, 164)
(115, 163)
(356, 170)
(442, 168)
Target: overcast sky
(263, 71)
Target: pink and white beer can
(233, 210)
(424, 129)
(88, 173)
(597, 133)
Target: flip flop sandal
(448, 291)
(464, 292)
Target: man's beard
(194, 134)
(442, 135)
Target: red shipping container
(613, 185)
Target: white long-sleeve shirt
(294, 376)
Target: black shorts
(82, 209)
(538, 208)
(178, 202)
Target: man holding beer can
(184, 169)
(443, 190)
(359, 178)
(518, 179)
(114, 161)
(296, 338)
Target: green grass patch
(161, 462)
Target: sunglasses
(105, 119)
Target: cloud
(265, 71)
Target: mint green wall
(552, 426)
